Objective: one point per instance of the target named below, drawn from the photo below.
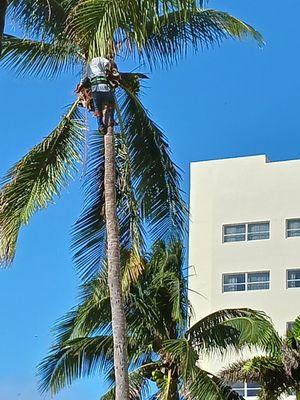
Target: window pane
(234, 278)
(234, 229)
(290, 326)
(258, 276)
(258, 236)
(293, 284)
(293, 274)
(258, 286)
(237, 385)
(293, 233)
(234, 288)
(258, 227)
(252, 392)
(293, 224)
(235, 238)
(252, 389)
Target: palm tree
(68, 34)
(278, 374)
(160, 347)
(3, 7)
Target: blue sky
(237, 100)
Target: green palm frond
(234, 328)
(269, 372)
(166, 261)
(38, 58)
(92, 316)
(210, 334)
(194, 30)
(37, 178)
(88, 234)
(186, 357)
(156, 178)
(255, 369)
(95, 22)
(129, 213)
(36, 17)
(3, 8)
(255, 329)
(206, 386)
(75, 359)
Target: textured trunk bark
(3, 7)
(114, 269)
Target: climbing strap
(99, 79)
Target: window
(234, 233)
(243, 232)
(246, 281)
(292, 227)
(258, 231)
(247, 390)
(293, 278)
(289, 326)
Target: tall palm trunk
(114, 269)
(3, 7)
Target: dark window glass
(258, 231)
(293, 227)
(234, 278)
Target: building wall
(241, 190)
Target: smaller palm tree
(161, 349)
(278, 374)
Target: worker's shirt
(97, 68)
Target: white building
(244, 246)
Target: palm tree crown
(160, 347)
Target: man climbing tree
(101, 77)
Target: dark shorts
(102, 98)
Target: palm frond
(88, 234)
(77, 358)
(234, 328)
(186, 357)
(255, 329)
(269, 372)
(171, 38)
(39, 58)
(40, 17)
(37, 178)
(3, 8)
(156, 178)
(129, 213)
(95, 23)
(206, 386)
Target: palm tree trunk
(114, 269)
(298, 395)
(3, 7)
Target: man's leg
(98, 108)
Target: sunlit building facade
(244, 244)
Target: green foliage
(39, 58)
(159, 347)
(156, 32)
(278, 372)
(37, 178)
(153, 173)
